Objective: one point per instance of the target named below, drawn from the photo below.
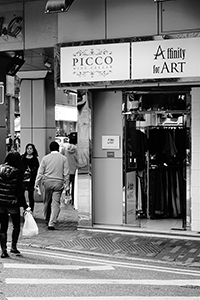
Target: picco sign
(95, 63)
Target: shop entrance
(156, 159)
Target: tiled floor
(157, 224)
(162, 224)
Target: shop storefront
(156, 158)
(138, 88)
(142, 131)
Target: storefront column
(11, 116)
(195, 161)
(37, 109)
(83, 194)
(107, 158)
(2, 125)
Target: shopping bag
(30, 227)
(68, 198)
(38, 190)
(65, 198)
(38, 193)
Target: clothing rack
(166, 126)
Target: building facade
(135, 67)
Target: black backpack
(8, 172)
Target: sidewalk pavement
(67, 237)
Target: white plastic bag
(38, 190)
(30, 227)
(66, 198)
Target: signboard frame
(179, 78)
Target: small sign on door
(110, 142)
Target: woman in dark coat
(30, 161)
(11, 199)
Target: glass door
(155, 164)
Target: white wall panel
(180, 15)
(40, 28)
(195, 164)
(107, 204)
(130, 18)
(25, 103)
(85, 20)
(107, 120)
(38, 104)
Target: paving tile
(166, 257)
(193, 250)
(175, 249)
(68, 237)
(189, 260)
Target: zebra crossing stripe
(57, 267)
(179, 282)
(105, 298)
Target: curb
(150, 234)
(118, 256)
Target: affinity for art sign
(166, 59)
(95, 63)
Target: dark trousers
(31, 199)
(4, 221)
(72, 181)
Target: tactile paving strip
(107, 244)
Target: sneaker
(15, 251)
(4, 254)
(51, 228)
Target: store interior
(156, 159)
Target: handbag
(27, 178)
(30, 227)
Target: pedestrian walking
(16, 142)
(11, 199)
(9, 143)
(53, 177)
(31, 164)
(70, 151)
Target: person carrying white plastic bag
(11, 200)
(30, 227)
